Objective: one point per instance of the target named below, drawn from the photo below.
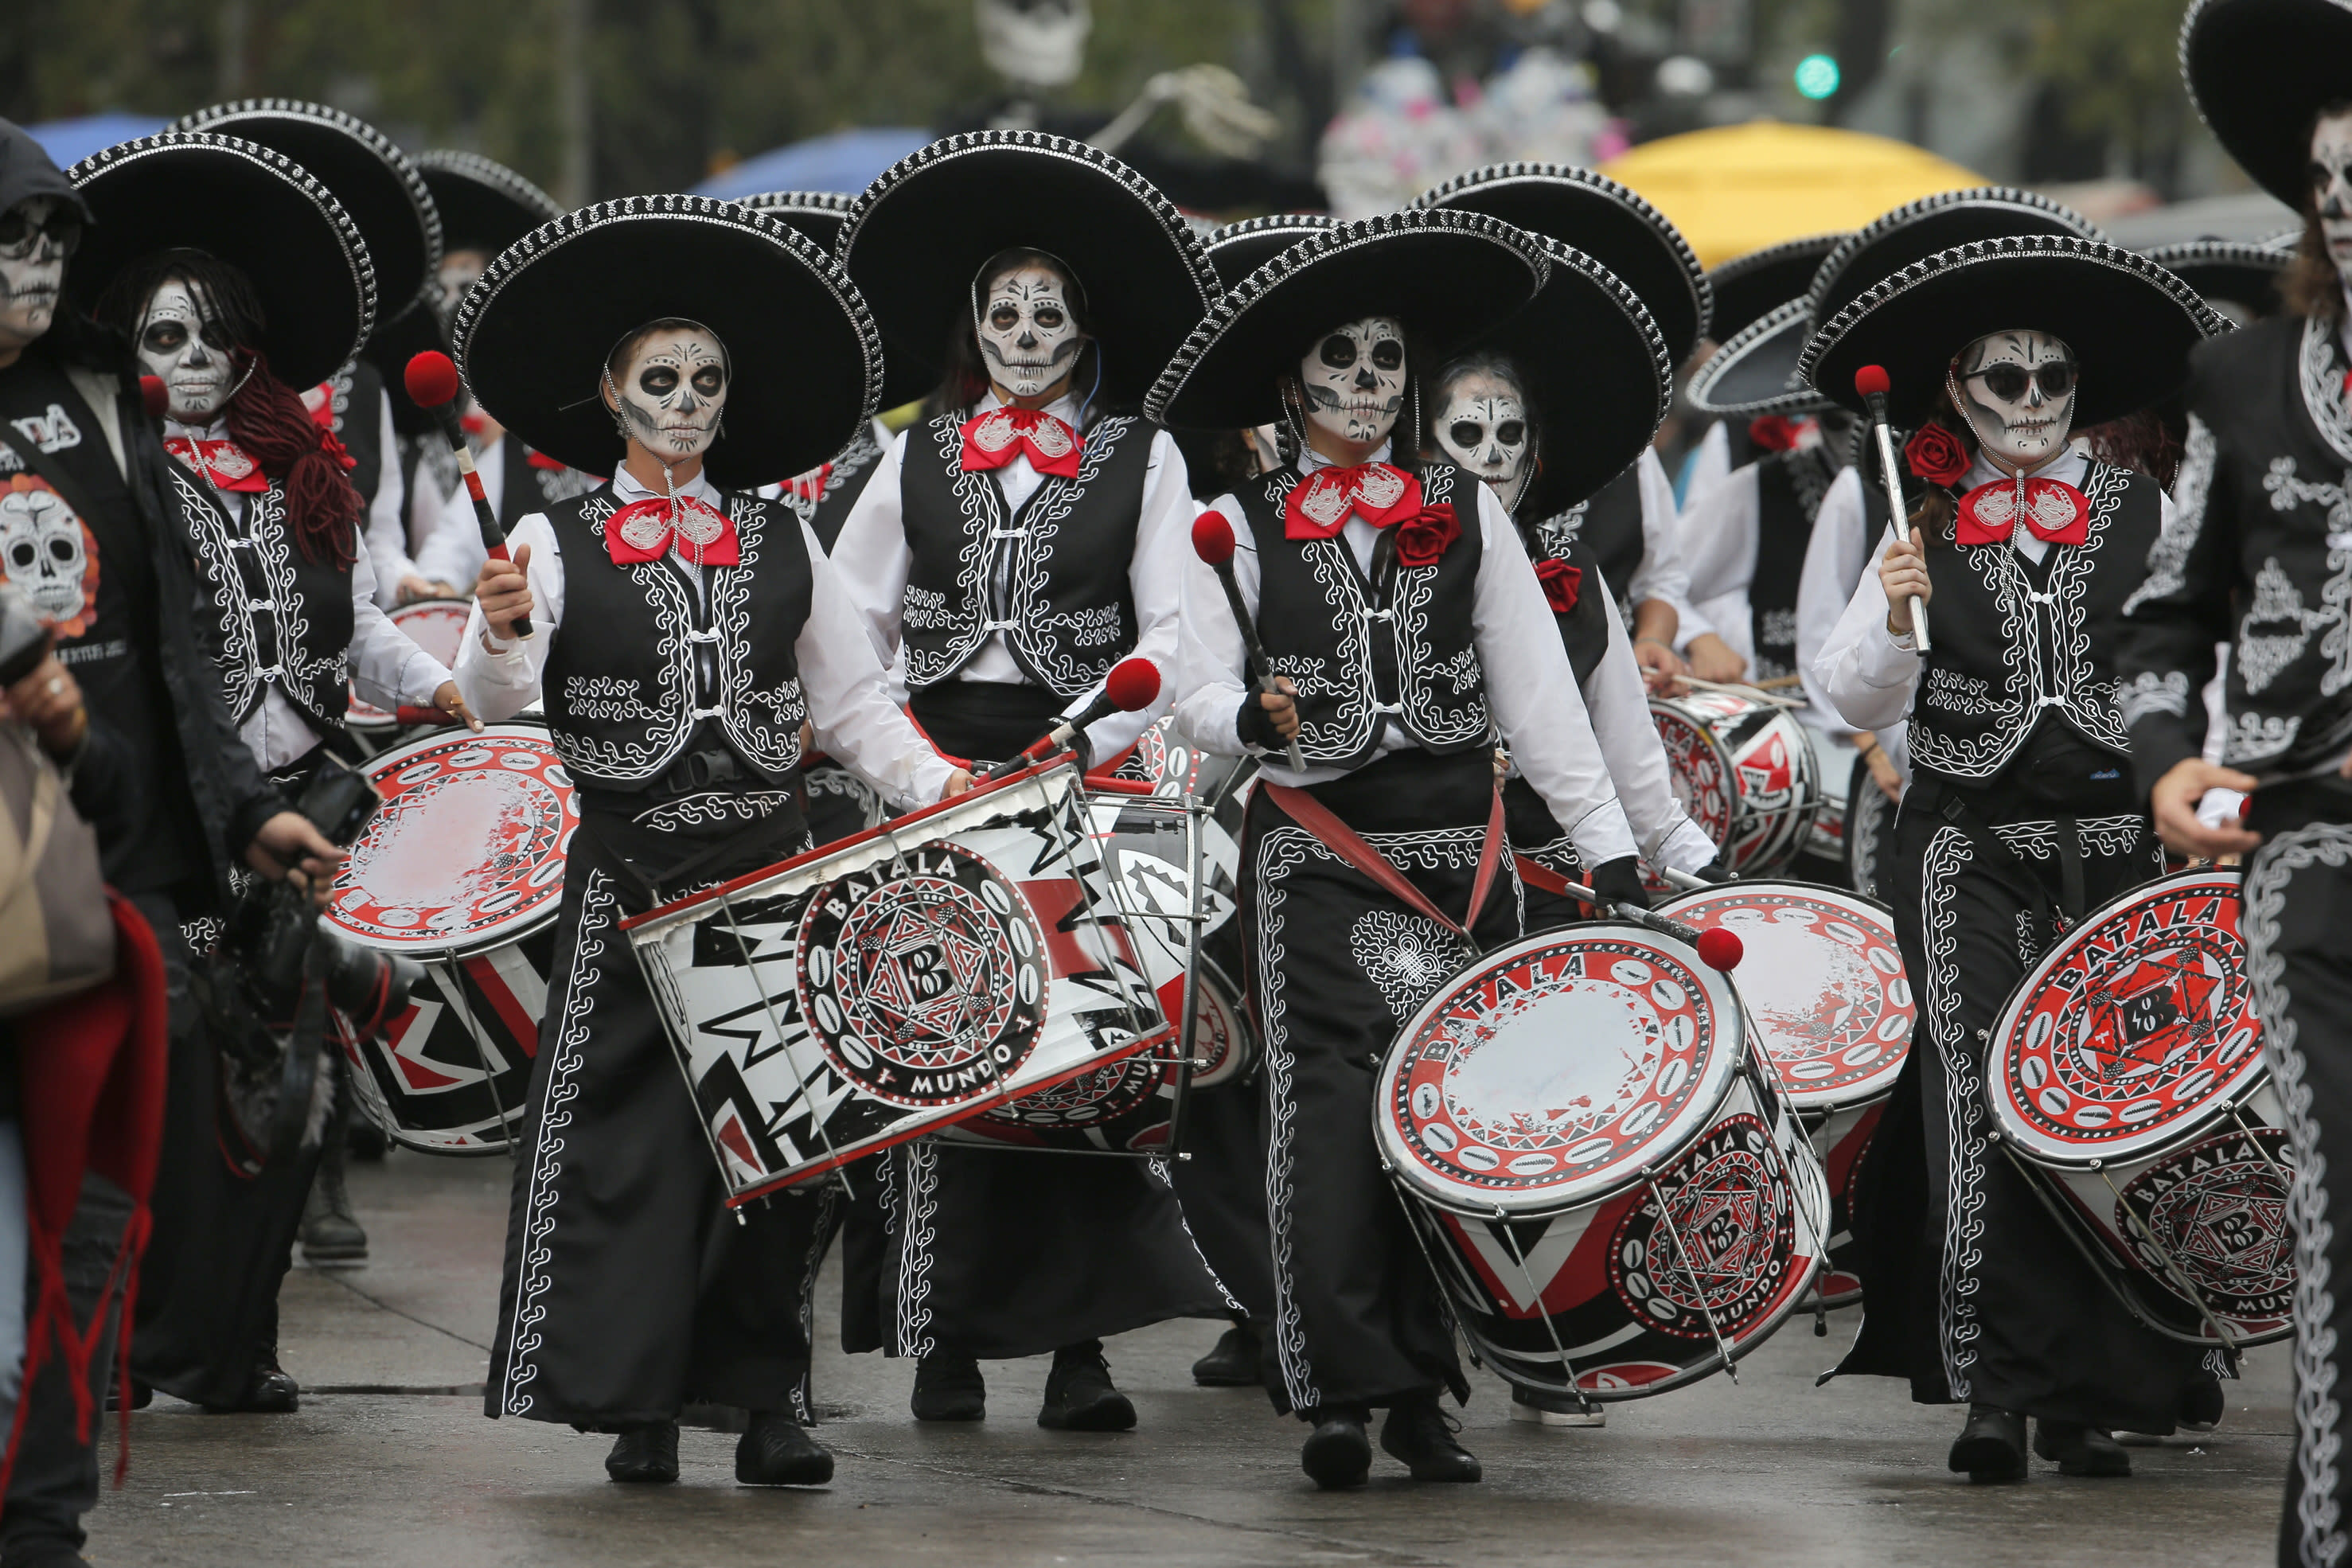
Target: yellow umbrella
(1739, 188)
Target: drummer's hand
(446, 698)
(1712, 659)
(958, 781)
(1277, 712)
(413, 588)
(2173, 805)
(1903, 572)
(288, 849)
(1662, 672)
(503, 590)
(1881, 766)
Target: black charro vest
(1610, 525)
(1790, 488)
(1054, 579)
(1583, 631)
(2014, 645)
(826, 504)
(276, 619)
(640, 671)
(1364, 655)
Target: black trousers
(2298, 930)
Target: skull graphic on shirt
(45, 551)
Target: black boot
(948, 1387)
(645, 1454)
(1080, 1396)
(1337, 1454)
(330, 1234)
(2081, 1450)
(2203, 1405)
(269, 1392)
(1420, 1433)
(777, 1451)
(1234, 1364)
(1992, 1446)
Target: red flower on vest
(1561, 583)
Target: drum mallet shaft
(1212, 541)
(1680, 881)
(1718, 949)
(432, 382)
(1132, 684)
(1870, 382)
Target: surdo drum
(1828, 1002)
(461, 869)
(1614, 1194)
(2127, 1076)
(1745, 770)
(435, 625)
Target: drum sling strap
(1952, 807)
(1348, 845)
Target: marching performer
(1396, 597)
(2022, 814)
(679, 631)
(1746, 289)
(2255, 556)
(1011, 548)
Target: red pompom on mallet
(1133, 684)
(153, 398)
(2245, 808)
(1212, 538)
(431, 379)
(1871, 380)
(1720, 950)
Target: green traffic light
(1817, 76)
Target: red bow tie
(995, 438)
(1320, 505)
(2055, 512)
(646, 530)
(224, 464)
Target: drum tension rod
(1535, 1304)
(2204, 1310)
(1682, 1257)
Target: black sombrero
(1748, 287)
(915, 237)
(2258, 70)
(1756, 371)
(1448, 276)
(373, 179)
(533, 333)
(817, 217)
(2129, 322)
(2235, 271)
(250, 205)
(1607, 222)
(1240, 248)
(483, 205)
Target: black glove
(1714, 870)
(1257, 726)
(1084, 748)
(1619, 881)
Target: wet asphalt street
(390, 1462)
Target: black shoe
(141, 1396)
(777, 1451)
(1336, 1453)
(366, 1142)
(331, 1233)
(1992, 1446)
(2081, 1450)
(1420, 1433)
(948, 1387)
(1080, 1396)
(1234, 1364)
(269, 1392)
(647, 1453)
(2201, 1406)
(56, 1555)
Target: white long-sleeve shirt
(387, 518)
(872, 559)
(1531, 686)
(1618, 705)
(1663, 574)
(857, 723)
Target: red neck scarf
(225, 465)
(995, 438)
(1320, 505)
(647, 529)
(2055, 512)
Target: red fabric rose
(1561, 583)
(1422, 539)
(1775, 432)
(332, 445)
(1935, 455)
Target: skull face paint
(670, 396)
(37, 235)
(459, 269)
(183, 345)
(42, 547)
(2331, 184)
(1483, 428)
(2018, 392)
(1027, 334)
(1353, 378)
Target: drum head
(2132, 1031)
(1744, 771)
(1822, 982)
(435, 625)
(1557, 1070)
(466, 851)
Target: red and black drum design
(1826, 996)
(436, 625)
(1609, 1190)
(461, 869)
(2127, 1076)
(1745, 770)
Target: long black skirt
(630, 1289)
(1338, 966)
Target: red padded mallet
(432, 382)
(1212, 541)
(1872, 382)
(1133, 684)
(1718, 949)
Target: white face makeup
(37, 235)
(672, 393)
(183, 346)
(1354, 380)
(2018, 392)
(1027, 334)
(1483, 428)
(459, 269)
(2331, 184)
